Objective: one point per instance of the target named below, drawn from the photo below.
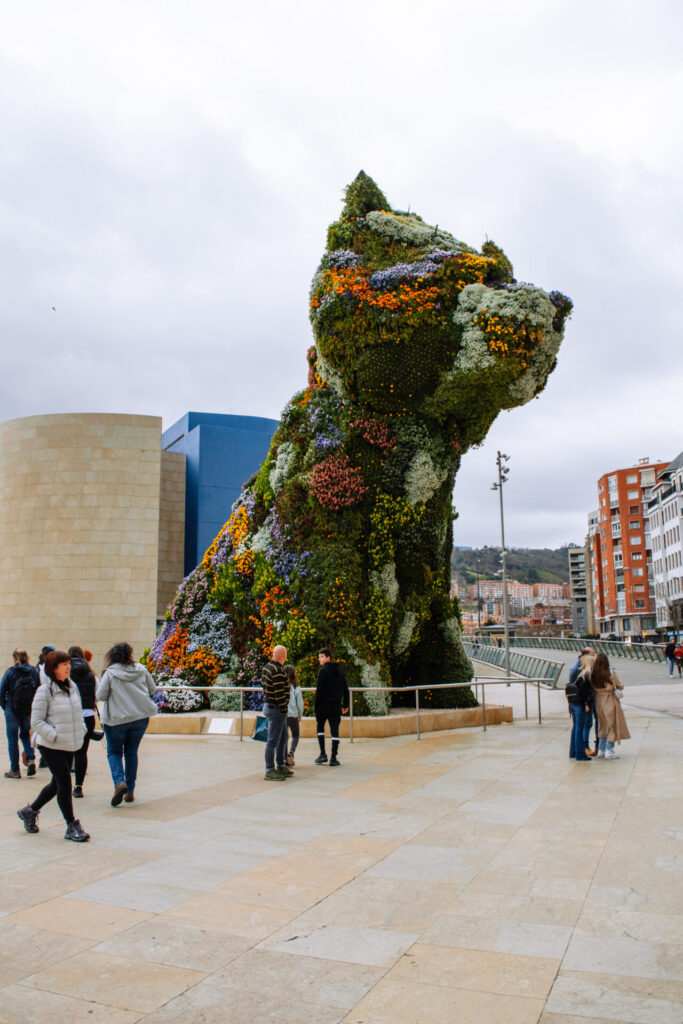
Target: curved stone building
(87, 501)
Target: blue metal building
(222, 452)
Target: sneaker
(29, 818)
(78, 791)
(13, 775)
(97, 735)
(31, 768)
(118, 794)
(600, 753)
(611, 755)
(334, 763)
(274, 776)
(286, 772)
(129, 797)
(76, 832)
(290, 761)
(321, 760)
(589, 752)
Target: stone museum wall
(79, 532)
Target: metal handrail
(613, 648)
(476, 683)
(521, 664)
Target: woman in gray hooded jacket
(127, 689)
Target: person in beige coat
(58, 729)
(612, 726)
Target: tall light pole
(478, 604)
(503, 472)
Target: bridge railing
(521, 664)
(612, 648)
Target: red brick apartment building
(622, 555)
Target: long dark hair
(290, 672)
(601, 673)
(53, 659)
(76, 652)
(119, 654)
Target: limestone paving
(470, 876)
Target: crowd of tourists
(594, 694)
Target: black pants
(59, 763)
(293, 724)
(81, 756)
(333, 716)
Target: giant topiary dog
(344, 535)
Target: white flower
(422, 478)
(385, 580)
(405, 632)
(283, 464)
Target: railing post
(538, 692)
(526, 706)
(417, 710)
(351, 692)
(483, 703)
(241, 714)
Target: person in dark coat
(85, 679)
(17, 690)
(331, 701)
(669, 654)
(581, 708)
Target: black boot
(334, 763)
(323, 756)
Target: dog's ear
(363, 196)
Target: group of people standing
(594, 697)
(54, 705)
(673, 652)
(283, 708)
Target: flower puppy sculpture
(344, 534)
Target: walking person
(331, 701)
(17, 690)
(82, 675)
(275, 704)
(57, 724)
(126, 688)
(612, 726)
(669, 654)
(579, 700)
(295, 712)
(44, 651)
(678, 655)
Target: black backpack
(571, 692)
(23, 693)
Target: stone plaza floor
(469, 877)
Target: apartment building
(580, 588)
(621, 550)
(665, 514)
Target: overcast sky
(168, 171)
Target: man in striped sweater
(275, 703)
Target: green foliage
(362, 196)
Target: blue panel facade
(221, 453)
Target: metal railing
(475, 684)
(521, 664)
(612, 648)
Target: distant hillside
(527, 565)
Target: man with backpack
(17, 690)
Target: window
(633, 510)
(634, 524)
(637, 571)
(635, 538)
(640, 604)
(636, 556)
(632, 478)
(647, 477)
(632, 494)
(612, 483)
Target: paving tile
(625, 1000)
(26, 949)
(158, 941)
(519, 937)
(127, 890)
(501, 973)
(627, 956)
(115, 981)
(22, 1005)
(215, 912)
(217, 1004)
(376, 947)
(78, 917)
(391, 1001)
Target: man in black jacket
(17, 689)
(331, 701)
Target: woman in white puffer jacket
(58, 729)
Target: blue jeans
(591, 718)
(15, 728)
(576, 744)
(605, 744)
(276, 744)
(122, 744)
(671, 662)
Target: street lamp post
(478, 603)
(503, 472)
